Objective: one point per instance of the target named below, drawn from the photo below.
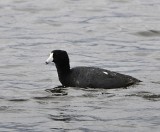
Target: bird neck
(62, 69)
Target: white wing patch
(105, 73)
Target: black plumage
(84, 77)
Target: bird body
(96, 78)
(87, 77)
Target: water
(119, 35)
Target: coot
(87, 77)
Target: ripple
(58, 91)
(11, 109)
(44, 97)
(152, 97)
(146, 95)
(59, 118)
(9, 66)
(76, 117)
(149, 33)
(158, 82)
(18, 100)
(3, 108)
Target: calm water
(119, 35)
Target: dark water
(119, 35)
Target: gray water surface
(118, 35)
